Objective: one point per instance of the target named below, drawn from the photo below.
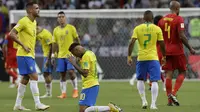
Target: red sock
(13, 74)
(162, 77)
(179, 80)
(168, 85)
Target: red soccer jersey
(11, 51)
(171, 24)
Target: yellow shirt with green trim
(89, 62)
(64, 37)
(147, 35)
(27, 35)
(45, 38)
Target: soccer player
(88, 71)
(172, 26)
(147, 35)
(64, 35)
(45, 38)
(10, 58)
(25, 30)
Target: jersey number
(167, 28)
(147, 41)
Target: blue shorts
(88, 96)
(26, 65)
(48, 69)
(148, 67)
(64, 65)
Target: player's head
(33, 9)
(61, 18)
(148, 16)
(157, 19)
(76, 49)
(175, 7)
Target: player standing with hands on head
(147, 35)
(172, 26)
(45, 38)
(64, 35)
(25, 30)
(90, 83)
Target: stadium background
(107, 37)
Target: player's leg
(22, 85)
(13, 75)
(141, 71)
(61, 69)
(133, 79)
(154, 72)
(163, 78)
(168, 67)
(47, 76)
(73, 77)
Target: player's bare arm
(83, 72)
(185, 41)
(77, 40)
(162, 47)
(13, 35)
(130, 49)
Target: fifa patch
(182, 25)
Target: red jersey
(171, 24)
(11, 51)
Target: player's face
(61, 19)
(36, 10)
(77, 52)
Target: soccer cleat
(46, 96)
(164, 89)
(153, 107)
(12, 86)
(75, 93)
(41, 107)
(131, 82)
(20, 108)
(62, 96)
(169, 104)
(144, 105)
(114, 108)
(174, 99)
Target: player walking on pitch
(25, 30)
(64, 35)
(147, 35)
(172, 26)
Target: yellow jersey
(64, 37)
(45, 38)
(147, 35)
(27, 35)
(89, 62)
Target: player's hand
(72, 59)
(26, 49)
(163, 61)
(53, 62)
(48, 63)
(129, 60)
(192, 51)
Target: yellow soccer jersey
(45, 38)
(147, 34)
(64, 37)
(27, 35)
(89, 61)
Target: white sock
(63, 86)
(48, 88)
(35, 91)
(20, 94)
(141, 90)
(154, 93)
(75, 83)
(98, 109)
(134, 77)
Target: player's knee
(72, 74)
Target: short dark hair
(148, 12)
(157, 19)
(73, 45)
(61, 12)
(30, 4)
(12, 25)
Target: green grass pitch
(120, 93)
